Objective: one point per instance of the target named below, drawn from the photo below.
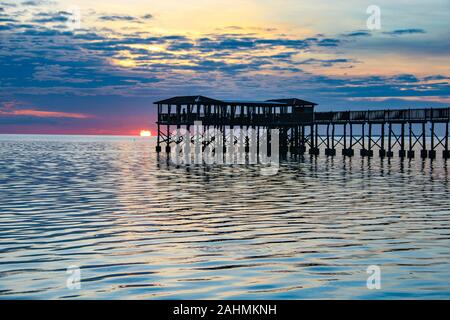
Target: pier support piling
(363, 151)
(424, 151)
(314, 150)
(302, 147)
(390, 153)
(410, 145)
(330, 151)
(432, 152)
(348, 149)
(446, 152)
(369, 147)
(382, 151)
(402, 151)
(158, 138)
(366, 152)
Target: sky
(96, 67)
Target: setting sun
(146, 133)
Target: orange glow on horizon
(146, 133)
(43, 114)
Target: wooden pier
(302, 130)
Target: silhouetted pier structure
(302, 130)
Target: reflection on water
(141, 230)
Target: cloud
(43, 114)
(84, 62)
(178, 46)
(118, 18)
(7, 4)
(328, 42)
(9, 109)
(41, 58)
(360, 33)
(290, 43)
(35, 3)
(394, 99)
(405, 78)
(125, 18)
(436, 77)
(327, 62)
(45, 17)
(112, 68)
(225, 43)
(31, 3)
(400, 32)
(403, 85)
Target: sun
(146, 133)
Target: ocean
(97, 217)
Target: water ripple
(141, 229)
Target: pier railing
(374, 116)
(381, 116)
(238, 119)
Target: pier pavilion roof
(189, 100)
(254, 103)
(294, 102)
(185, 100)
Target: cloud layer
(43, 58)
